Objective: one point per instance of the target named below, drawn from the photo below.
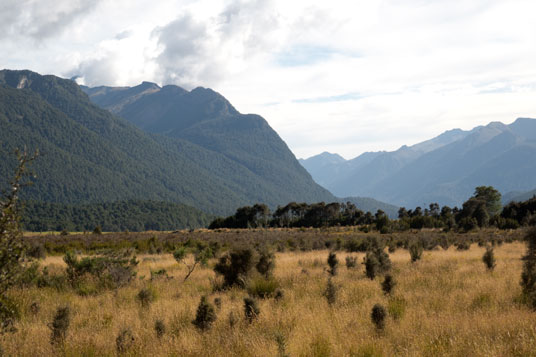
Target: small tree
(378, 316)
(489, 258)
(528, 275)
(205, 316)
(333, 262)
(351, 262)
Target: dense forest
(133, 216)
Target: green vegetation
(134, 216)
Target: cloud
(40, 20)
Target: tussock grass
(446, 304)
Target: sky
(339, 76)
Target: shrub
(266, 263)
(279, 294)
(388, 284)
(351, 262)
(489, 258)
(146, 296)
(463, 245)
(235, 267)
(9, 313)
(333, 262)
(528, 275)
(36, 251)
(124, 340)
(217, 303)
(60, 325)
(331, 292)
(378, 316)
(159, 328)
(205, 315)
(97, 230)
(415, 251)
(251, 309)
(371, 265)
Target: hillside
(90, 155)
(445, 169)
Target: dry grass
(447, 304)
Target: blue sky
(335, 76)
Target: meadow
(445, 304)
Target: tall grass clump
(124, 341)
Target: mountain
(205, 118)
(517, 196)
(445, 169)
(90, 155)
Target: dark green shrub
(463, 245)
(124, 341)
(378, 316)
(331, 292)
(97, 230)
(415, 251)
(251, 309)
(60, 325)
(388, 284)
(160, 328)
(528, 275)
(372, 266)
(489, 258)
(351, 262)
(146, 296)
(9, 313)
(205, 316)
(235, 267)
(266, 263)
(333, 263)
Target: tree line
(483, 209)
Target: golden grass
(447, 304)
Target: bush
(205, 315)
(415, 251)
(9, 313)
(463, 245)
(235, 267)
(388, 284)
(266, 263)
(372, 266)
(378, 316)
(351, 262)
(146, 296)
(97, 230)
(36, 251)
(124, 341)
(489, 258)
(159, 328)
(331, 292)
(528, 275)
(251, 309)
(333, 262)
(60, 325)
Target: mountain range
(445, 169)
(191, 148)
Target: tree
(11, 245)
(491, 198)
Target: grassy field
(446, 304)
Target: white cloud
(339, 76)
